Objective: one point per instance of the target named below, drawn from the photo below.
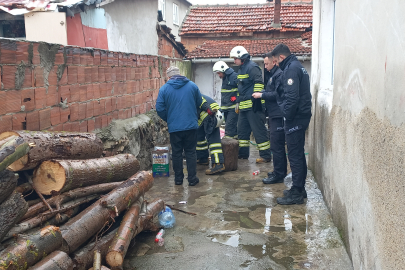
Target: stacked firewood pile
(83, 210)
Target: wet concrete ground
(239, 225)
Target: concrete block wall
(54, 87)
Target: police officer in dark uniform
(229, 93)
(208, 135)
(294, 98)
(277, 137)
(251, 113)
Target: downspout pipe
(301, 58)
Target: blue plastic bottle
(166, 218)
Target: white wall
(357, 135)
(46, 26)
(131, 26)
(183, 7)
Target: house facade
(357, 134)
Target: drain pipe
(301, 58)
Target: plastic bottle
(166, 218)
(256, 172)
(159, 238)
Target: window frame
(162, 7)
(176, 8)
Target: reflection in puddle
(267, 216)
(287, 221)
(229, 240)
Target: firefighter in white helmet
(229, 93)
(251, 111)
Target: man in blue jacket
(294, 99)
(177, 104)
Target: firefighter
(208, 136)
(251, 112)
(295, 101)
(229, 93)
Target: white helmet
(220, 66)
(238, 52)
(220, 119)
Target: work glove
(210, 112)
(233, 99)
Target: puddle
(225, 239)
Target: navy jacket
(294, 95)
(250, 80)
(270, 94)
(229, 89)
(178, 102)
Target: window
(175, 14)
(162, 7)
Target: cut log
(52, 145)
(30, 249)
(40, 219)
(73, 194)
(11, 210)
(12, 151)
(97, 260)
(64, 175)
(230, 148)
(8, 182)
(120, 243)
(83, 258)
(57, 260)
(24, 188)
(80, 228)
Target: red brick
(142, 109)
(108, 106)
(103, 90)
(59, 58)
(148, 106)
(33, 120)
(6, 123)
(3, 102)
(102, 103)
(28, 99)
(81, 77)
(87, 75)
(101, 75)
(128, 101)
(103, 58)
(122, 114)
(89, 109)
(121, 102)
(44, 119)
(128, 73)
(90, 59)
(90, 125)
(115, 55)
(83, 57)
(114, 103)
(97, 122)
(74, 112)
(64, 93)
(96, 91)
(96, 58)
(67, 127)
(83, 126)
(104, 121)
(94, 74)
(89, 92)
(22, 52)
(75, 126)
(19, 122)
(138, 110)
(64, 115)
(40, 98)
(107, 73)
(8, 77)
(13, 101)
(8, 52)
(52, 96)
(83, 92)
(72, 74)
(27, 78)
(133, 112)
(58, 127)
(109, 88)
(52, 77)
(137, 87)
(74, 93)
(113, 74)
(64, 79)
(110, 58)
(115, 115)
(55, 116)
(82, 111)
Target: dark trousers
(295, 137)
(231, 123)
(249, 121)
(184, 141)
(277, 146)
(212, 141)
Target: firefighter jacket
(270, 95)
(294, 94)
(207, 103)
(229, 89)
(250, 80)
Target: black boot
(294, 196)
(194, 182)
(273, 179)
(304, 192)
(178, 181)
(216, 168)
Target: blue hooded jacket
(177, 104)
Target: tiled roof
(307, 37)
(245, 18)
(221, 48)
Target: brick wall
(166, 48)
(53, 87)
